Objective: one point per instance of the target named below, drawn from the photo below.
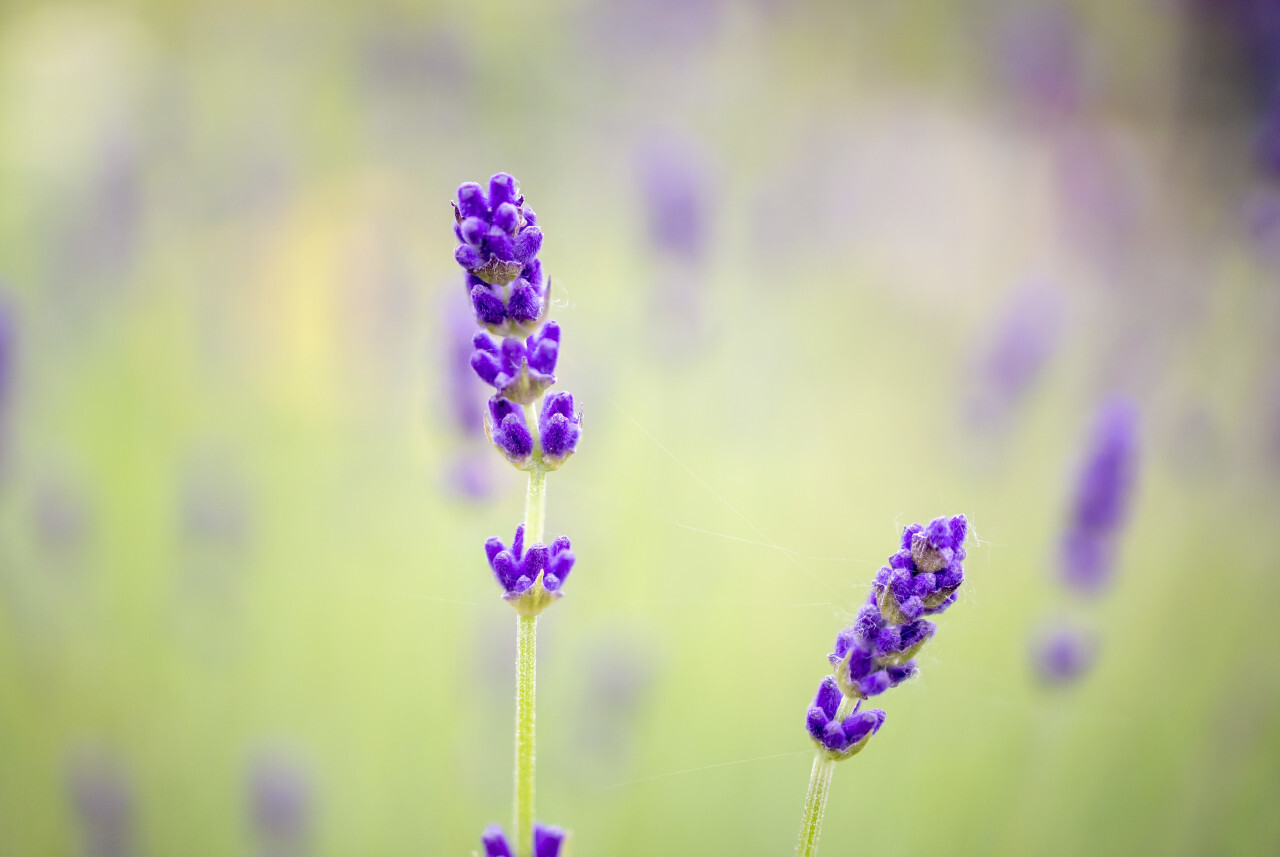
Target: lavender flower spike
(875, 653)
(841, 738)
(1101, 501)
(499, 242)
(532, 578)
(548, 841)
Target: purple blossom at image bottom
(547, 841)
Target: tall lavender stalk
(877, 652)
(499, 240)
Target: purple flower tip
(498, 247)
(875, 653)
(495, 842)
(547, 840)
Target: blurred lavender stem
(815, 804)
(535, 516)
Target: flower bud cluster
(499, 243)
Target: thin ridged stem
(526, 645)
(815, 804)
(535, 516)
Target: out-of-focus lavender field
(824, 269)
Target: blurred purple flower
(1039, 50)
(60, 514)
(1103, 492)
(102, 796)
(1062, 654)
(464, 403)
(1013, 356)
(280, 803)
(674, 184)
(1100, 195)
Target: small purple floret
(559, 427)
(839, 736)
(516, 569)
(509, 431)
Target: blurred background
(823, 269)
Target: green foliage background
(274, 330)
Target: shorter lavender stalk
(877, 651)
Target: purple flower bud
(560, 429)
(495, 842)
(498, 249)
(547, 840)
(1102, 497)
(507, 429)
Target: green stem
(815, 804)
(535, 516)
(535, 506)
(526, 644)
